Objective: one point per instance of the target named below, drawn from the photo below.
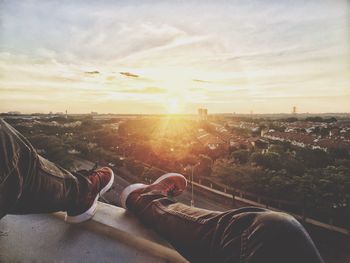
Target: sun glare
(173, 106)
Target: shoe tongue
(83, 172)
(154, 192)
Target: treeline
(311, 178)
(88, 140)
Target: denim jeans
(31, 184)
(248, 234)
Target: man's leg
(31, 184)
(243, 235)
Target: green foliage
(277, 148)
(190, 159)
(311, 178)
(313, 158)
(203, 168)
(223, 168)
(320, 119)
(268, 160)
(242, 156)
(339, 153)
(293, 166)
(314, 119)
(291, 119)
(54, 149)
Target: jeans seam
(4, 179)
(181, 215)
(244, 240)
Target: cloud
(244, 50)
(111, 78)
(147, 90)
(95, 72)
(128, 74)
(201, 81)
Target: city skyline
(174, 57)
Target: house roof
(309, 139)
(209, 139)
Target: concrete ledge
(113, 235)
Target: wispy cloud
(147, 90)
(95, 72)
(128, 74)
(201, 81)
(254, 54)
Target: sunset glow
(173, 106)
(127, 57)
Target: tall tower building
(203, 114)
(294, 111)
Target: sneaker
(101, 181)
(170, 184)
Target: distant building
(203, 114)
(73, 151)
(94, 113)
(260, 143)
(14, 113)
(294, 111)
(264, 131)
(210, 141)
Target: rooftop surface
(112, 235)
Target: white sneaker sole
(127, 191)
(133, 187)
(92, 210)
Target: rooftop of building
(112, 235)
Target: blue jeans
(31, 184)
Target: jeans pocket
(52, 169)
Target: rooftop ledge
(112, 235)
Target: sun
(173, 106)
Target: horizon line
(169, 114)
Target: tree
(276, 148)
(291, 119)
(55, 149)
(189, 159)
(203, 168)
(122, 129)
(223, 168)
(269, 160)
(242, 156)
(314, 119)
(339, 153)
(293, 166)
(313, 158)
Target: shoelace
(91, 172)
(86, 172)
(170, 189)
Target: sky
(175, 56)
